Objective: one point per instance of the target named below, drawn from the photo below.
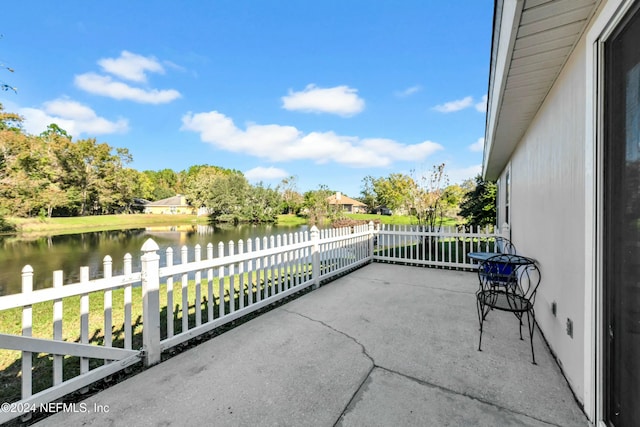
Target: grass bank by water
(69, 225)
(79, 224)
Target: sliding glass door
(622, 224)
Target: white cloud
(130, 66)
(482, 105)
(106, 86)
(267, 174)
(478, 145)
(340, 100)
(408, 91)
(72, 116)
(452, 106)
(457, 176)
(283, 143)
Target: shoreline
(68, 225)
(36, 227)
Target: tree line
(52, 174)
(430, 198)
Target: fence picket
(210, 295)
(184, 259)
(198, 285)
(250, 271)
(84, 319)
(289, 264)
(128, 327)
(272, 264)
(241, 269)
(108, 305)
(257, 272)
(170, 309)
(279, 263)
(57, 328)
(232, 282)
(221, 307)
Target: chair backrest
(528, 281)
(512, 272)
(498, 271)
(504, 246)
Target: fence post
(315, 256)
(371, 240)
(505, 230)
(27, 288)
(150, 261)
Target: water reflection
(71, 251)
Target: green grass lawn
(69, 225)
(66, 225)
(245, 286)
(444, 249)
(396, 219)
(291, 220)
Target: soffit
(544, 34)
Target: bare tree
(427, 197)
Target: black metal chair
(508, 283)
(501, 245)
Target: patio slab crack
(422, 382)
(364, 352)
(466, 395)
(362, 347)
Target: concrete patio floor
(386, 345)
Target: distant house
(382, 210)
(171, 205)
(347, 204)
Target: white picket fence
(185, 300)
(210, 292)
(442, 247)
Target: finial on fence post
(150, 261)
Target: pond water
(69, 252)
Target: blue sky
(328, 91)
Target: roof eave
(532, 41)
(506, 20)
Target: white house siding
(548, 212)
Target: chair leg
(480, 309)
(480, 340)
(481, 315)
(519, 316)
(531, 323)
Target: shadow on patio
(384, 345)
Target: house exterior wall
(171, 205)
(547, 212)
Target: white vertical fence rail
(245, 276)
